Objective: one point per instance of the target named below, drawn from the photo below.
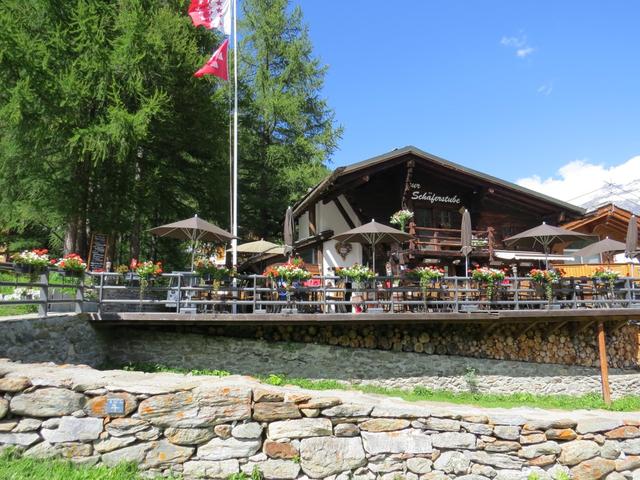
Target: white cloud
(545, 89)
(519, 44)
(583, 183)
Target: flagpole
(234, 242)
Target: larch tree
(288, 131)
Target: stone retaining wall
(178, 348)
(72, 339)
(212, 428)
(61, 338)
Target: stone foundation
(207, 428)
(72, 339)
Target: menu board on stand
(98, 252)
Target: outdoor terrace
(257, 299)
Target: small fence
(43, 290)
(189, 293)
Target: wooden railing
(187, 293)
(449, 240)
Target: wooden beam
(604, 366)
(340, 189)
(530, 327)
(312, 220)
(343, 212)
(557, 327)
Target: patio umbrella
(631, 247)
(288, 232)
(465, 239)
(545, 236)
(603, 246)
(373, 233)
(195, 230)
(259, 246)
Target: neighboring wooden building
(437, 191)
(606, 221)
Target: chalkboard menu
(98, 251)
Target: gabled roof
(317, 191)
(615, 216)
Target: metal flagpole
(234, 241)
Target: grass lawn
(14, 467)
(560, 402)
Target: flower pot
(72, 273)
(27, 269)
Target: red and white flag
(217, 64)
(211, 14)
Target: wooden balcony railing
(447, 240)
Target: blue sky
(511, 88)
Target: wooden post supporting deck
(604, 367)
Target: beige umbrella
(603, 246)
(545, 236)
(260, 246)
(373, 233)
(631, 247)
(465, 239)
(194, 229)
(288, 232)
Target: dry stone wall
(197, 349)
(205, 428)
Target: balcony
(445, 242)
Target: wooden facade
(437, 191)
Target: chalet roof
(614, 216)
(389, 157)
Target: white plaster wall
(329, 218)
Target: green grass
(12, 310)
(15, 467)
(560, 402)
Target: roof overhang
(315, 193)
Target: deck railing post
(516, 293)
(179, 299)
(255, 292)
(628, 285)
(43, 307)
(456, 294)
(80, 294)
(100, 292)
(324, 294)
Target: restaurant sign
(418, 194)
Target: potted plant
(488, 278)
(122, 270)
(545, 280)
(71, 265)
(147, 271)
(31, 262)
(401, 218)
(210, 271)
(427, 275)
(606, 276)
(358, 274)
(287, 276)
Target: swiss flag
(217, 64)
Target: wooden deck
(492, 318)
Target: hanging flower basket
(31, 262)
(71, 265)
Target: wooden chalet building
(437, 191)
